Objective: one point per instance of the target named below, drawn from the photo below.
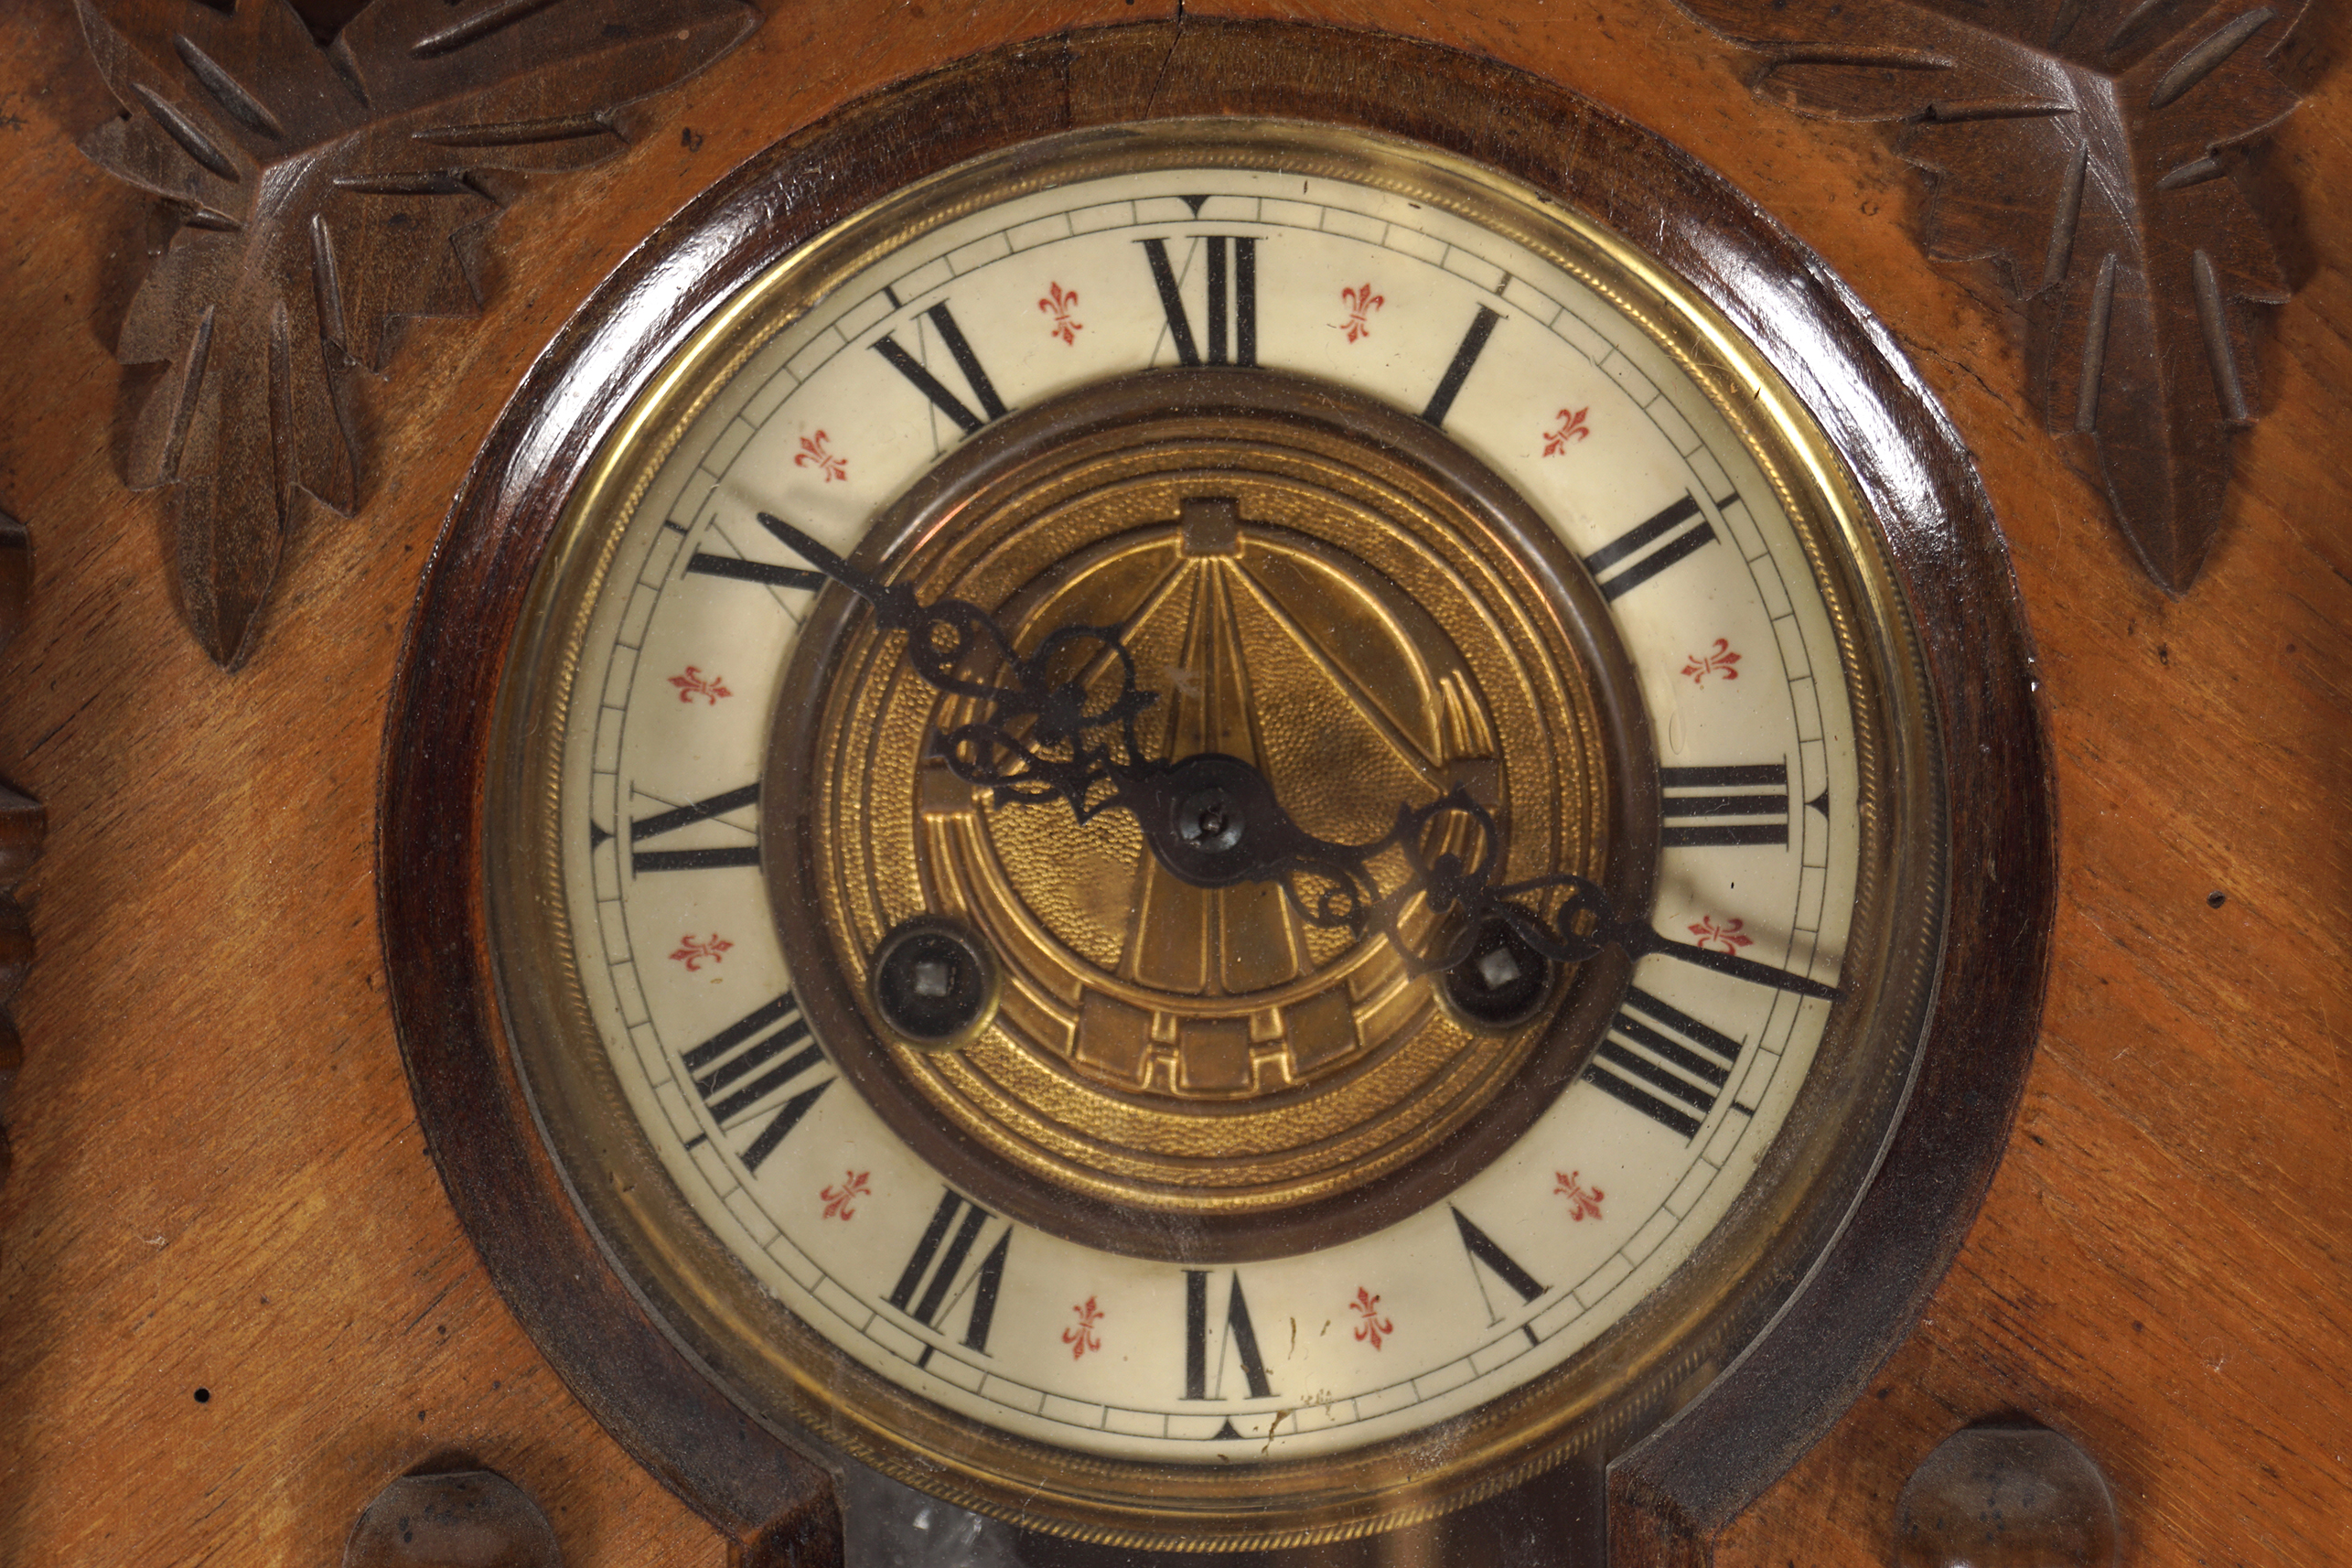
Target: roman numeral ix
(1660, 1060)
(1700, 804)
(959, 351)
(643, 828)
(1232, 269)
(735, 1070)
(936, 1270)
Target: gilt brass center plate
(1306, 581)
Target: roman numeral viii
(1661, 1060)
(1724, 806)
(943, 322)
(643, 828)
(1233, 273)
(1649, 547)
(935, 1277)
(1240, 1338)
(736, 1074)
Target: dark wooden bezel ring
(1669, 1496)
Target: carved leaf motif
(2077, 145)
(321, 192)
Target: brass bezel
(1642, 1368)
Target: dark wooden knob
(2006, 1497)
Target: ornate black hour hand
(1036, 739)
(1216, 821)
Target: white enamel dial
(995, 309)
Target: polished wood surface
(220, 1184)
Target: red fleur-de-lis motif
(1058, 303)
(1082, 1337)
(837, 1199)
(1374, 1327)
(1709, 933)
(1720, 662)
(815, 453)
(1570, 429)
(692, 951)
(1583, 1202)
(693, 683)
(1361, 302)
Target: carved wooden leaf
(321, 190)
(2078, 143)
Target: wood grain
(218, 1183)
(2083, 148)
(313, 196)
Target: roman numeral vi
(1240, 1336)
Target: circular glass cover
(1213, 832)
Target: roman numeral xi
(643, 828)
(942, 322)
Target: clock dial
(1208, 811)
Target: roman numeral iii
(1231, 264)
(1724, 806)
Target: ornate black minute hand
(1215, 820)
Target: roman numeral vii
(935, 1278)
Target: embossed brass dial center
(1340, 617)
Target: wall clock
(1174, 807)
(218, 1169)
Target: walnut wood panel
(218, 1183)
(314, 194)
(2084, 148)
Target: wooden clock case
(220, 1184)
